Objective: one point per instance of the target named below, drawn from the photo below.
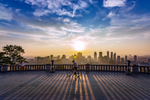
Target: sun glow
(79, 45)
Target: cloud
(91, 1)
(40, 30)
(5, 13)
(124, 25)
(119, 33)
(114, 3)
(124, 17)
(44, 7)
(66, 20)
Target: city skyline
(44, 27)
(97, 59)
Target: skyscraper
(118, 59)
(111, 55)
(107, 54)
(125, 58)
(100, 54)
(135, 58)
(114, 56)
(95, 55)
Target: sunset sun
(79, 46)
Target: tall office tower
(118, 59)
(111, 55)
(122, 60)
(135, 58)
(125, 58)
(107, 54)
(100, 55)
(95, 55)
(114, 56)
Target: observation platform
(93, 85)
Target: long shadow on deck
(42, 85)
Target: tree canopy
(12, 54)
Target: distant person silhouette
(75, 66)
(22, 65)
(52, 64)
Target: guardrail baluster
(140, 69)
(143, 69)
(99, 67)
(117, 68)
(148, 69)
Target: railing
(67, 67)
(144, 69)
(84, 67)
(118, 68)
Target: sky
(45, 27)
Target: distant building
(66, 61)
(63, 57)
(135, 58)
(58, 57)
(105, 59)
(95, 55)
(79, 54)
(107, 54)
(118, 59)
(89, 58)
(125, 58)
(111, 55)
(148, 60)
(122, 60)
(51, 56)
(114, 56)
(100, 56)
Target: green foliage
(12, 54)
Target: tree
(12, 54)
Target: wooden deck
(43, 85)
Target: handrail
(83, 67)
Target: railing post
(87, 67)
(48, 67)
(0, 68)
(141, 69)
(135, 69)
(148, 68)
(5, 68)
(144, 70)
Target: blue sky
(44, 27)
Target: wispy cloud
(5, 13)
(114, 3)
(45, 7)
